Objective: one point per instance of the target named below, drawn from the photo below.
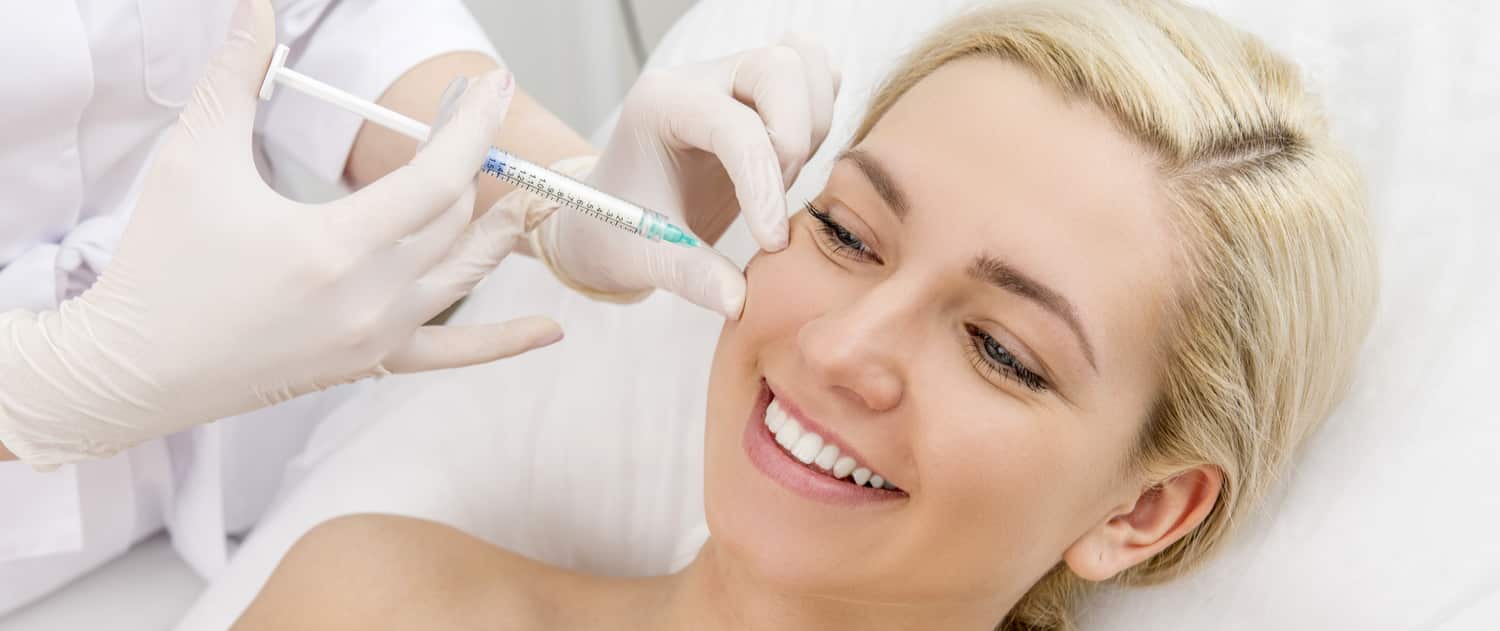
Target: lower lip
(777, 464)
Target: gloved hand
(701, 144)
(224, 297)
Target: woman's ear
(1160, 515)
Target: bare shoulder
(385, 571)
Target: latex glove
(701, 144)
(224, 297)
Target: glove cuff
(543, 238)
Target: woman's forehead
(980, 128)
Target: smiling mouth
(818, 454)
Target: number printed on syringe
(539, 187)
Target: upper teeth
(810, 449)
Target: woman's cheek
(785, 289)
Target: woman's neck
(715, 592)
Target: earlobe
(1161, 515)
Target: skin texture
(1003, 481)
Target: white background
(573, 55)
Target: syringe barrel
(569, 192)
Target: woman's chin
(782, 550)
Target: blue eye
(839, 239)
(847, 238)
(990, 356)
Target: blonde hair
(1280, 272)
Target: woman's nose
(858, 350)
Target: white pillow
(588, 454)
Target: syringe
(538, 180)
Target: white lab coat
(89, 88)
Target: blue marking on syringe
(494, 163)
(649, 224)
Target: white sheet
(589, 454)
(145, 589)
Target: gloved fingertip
(507, 87)
(451, 94)
(446, 106)
(537, 331)
(780, 233)
(773, 244)
(536, 214)
(246, 53)
(733, 301)
(497, 104)
(482, 101)
(551, 338)
(503, 83)
(723, 287)
(765, 209)
(774, 226)
(253, 17)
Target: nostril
(873, 387)
(846, 351)
(850, 395)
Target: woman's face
(969, 310)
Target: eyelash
(989, 356)
(986, 354)
(839, 239)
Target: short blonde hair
(1280, 282)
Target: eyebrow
(881, 179)
(996, 272)
(984, 268)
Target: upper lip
(828, 435)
